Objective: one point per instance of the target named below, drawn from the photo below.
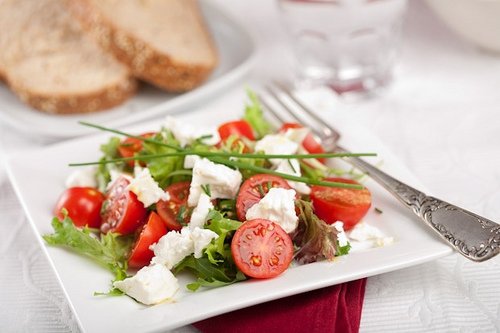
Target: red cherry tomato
(83, 205)
(151, 232)
(169, 210)
(239, 128)
(261, 249)
(309, 143)
(254, 189)
(131, 146)
(122, 212)
(333, 204)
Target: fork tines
(286, 105)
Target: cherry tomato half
(333, 204)
(122, 212)
(309, 143)
(255, 188)
(83, 205)
(131, 146)
(169, 210)
(151, 232)
(239, 128)
(261, 249)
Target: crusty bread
(164, 42)
(51, 64)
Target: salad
(237, 202)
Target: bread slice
(51, 64)
(164, 42)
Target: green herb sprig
(228, 158)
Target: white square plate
(38, 178)
(236, 53)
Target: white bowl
(476, 20)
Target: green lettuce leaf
(220, 224)
(315, 239)
(110, 151)
(109, 250)
(343, 250)
(216, 267)
(162, 168)
(255, 117)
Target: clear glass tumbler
(349, 45)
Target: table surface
(440, 117)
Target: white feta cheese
(172, 248)
(146, 188)
(297, 134)
(272, 144)
(341, 236)
(365, 236)
(200, 212)
(84, 177)
(151, 285)
(285, 144)
(201, 239)
(222, 181)
(363, 231)
(292, 167)
(186, 133)
(278, 206)
(190, 160)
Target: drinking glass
(349, 45)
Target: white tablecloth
(441, 117)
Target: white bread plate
(236, 50)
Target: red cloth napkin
(331, 309)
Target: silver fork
(473, 236)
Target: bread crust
(94, 101)
(42, 49)
(145, 61)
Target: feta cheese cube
(292, 167)
(278, 205)
(200, 212)
(146, 188)
(186, 133)
(172, 248)
(83, 177)
(190, 160)
(201, 239)
(222, 181)
(365, 236)
(276, 144)
(341, 236)
(151, 285)
(297, 134)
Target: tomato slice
(239, 128)
(131, 146)
(169, 210)
(151, 232)
(261, 249)
(254, 189)
(83, 205)
(333, 204)
(122, 212)
(309, 143)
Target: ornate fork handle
(474, 236)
